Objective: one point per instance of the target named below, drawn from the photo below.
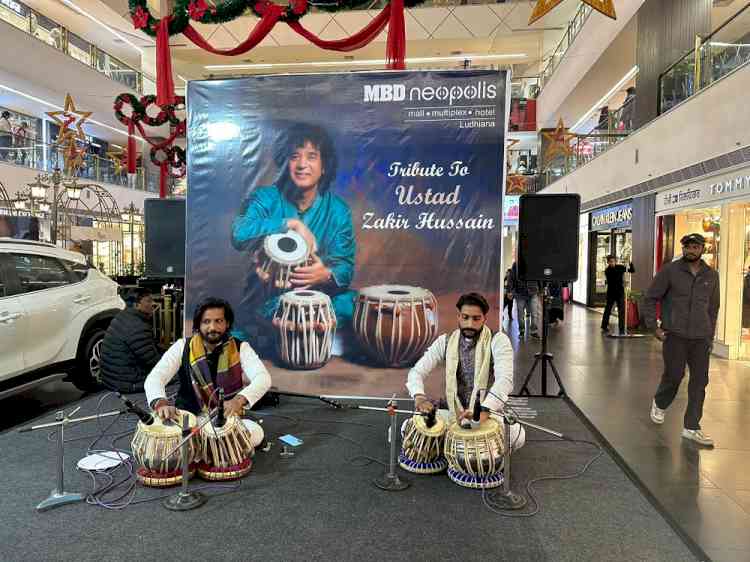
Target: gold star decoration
(510, 143)
(559, 142)
(543, 7)
(70, 116)
(515, 184)
(116, 157)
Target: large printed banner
(342, 215)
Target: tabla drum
(151, 445)
(422, 446)
(280, 254)
(306, 325)
(394, 324)
(475, 456)
(226, 451)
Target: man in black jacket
(615, 275)
(128, 350)
(689, 293)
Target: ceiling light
(102, 24)
(629, 75)
(362, 62)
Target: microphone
(477, 410)
(142, 414)
(221, 419)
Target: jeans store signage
(619, 216)
(726, 186)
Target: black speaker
(165, 237)
(548, 237)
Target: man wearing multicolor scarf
(209, 360)
(475, 362)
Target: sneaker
(657, 414)
(536, 335)
(698, 436)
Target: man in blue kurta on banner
(301, 201)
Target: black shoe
(536, 336)
(605, 330)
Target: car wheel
(87, 374)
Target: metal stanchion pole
(390, 481)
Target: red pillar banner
(396, 48)
(131, 147)
(164, 81)
(163, 176)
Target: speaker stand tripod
(544, 357)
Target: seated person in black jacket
(128, 350)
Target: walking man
(526, 295)
(689, 292)
(615, 275)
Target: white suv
(54, 310)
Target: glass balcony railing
(715, 56)
(17, 14)
(574, 27)
(46, 157)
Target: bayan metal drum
(226, 451)
(151, 443)
(475, 456)
(422, 446)
(306, 325)
(280, 254)
(395, 323)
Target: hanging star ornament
(559, 142)
(510, 143)
(70, 116)
(543, 7)
(117, 158)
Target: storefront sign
(619, 216)
(725, 186)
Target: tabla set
(216, 453)
(393, 324)
(473, 457)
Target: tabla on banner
(384, 187)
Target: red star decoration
(140, 18)
(197, 8)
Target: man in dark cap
(689, 292)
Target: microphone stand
(58, 496)
(390, 481)
(506, 497)
(185, 500)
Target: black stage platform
(321, 505)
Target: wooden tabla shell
(306, 328)
(226, 452)
(422, 446)
(394, 324)
(281, 253)
(475, 456)
(151, 444)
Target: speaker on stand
(547, 252)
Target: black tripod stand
(544, 356)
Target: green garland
(228, 10)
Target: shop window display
(705, 221)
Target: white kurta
(254, 374)
(502, 357)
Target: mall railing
(725, 50)
(47, 157)
(574, 27)
(19, 15)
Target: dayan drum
(422, 446)
(395, 323)
(306, 325)
(280, 254)
(475, 456)
(151, 445)
(226, 451)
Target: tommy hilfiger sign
(722, 187)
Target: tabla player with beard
(209, 360)
(474, 360)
